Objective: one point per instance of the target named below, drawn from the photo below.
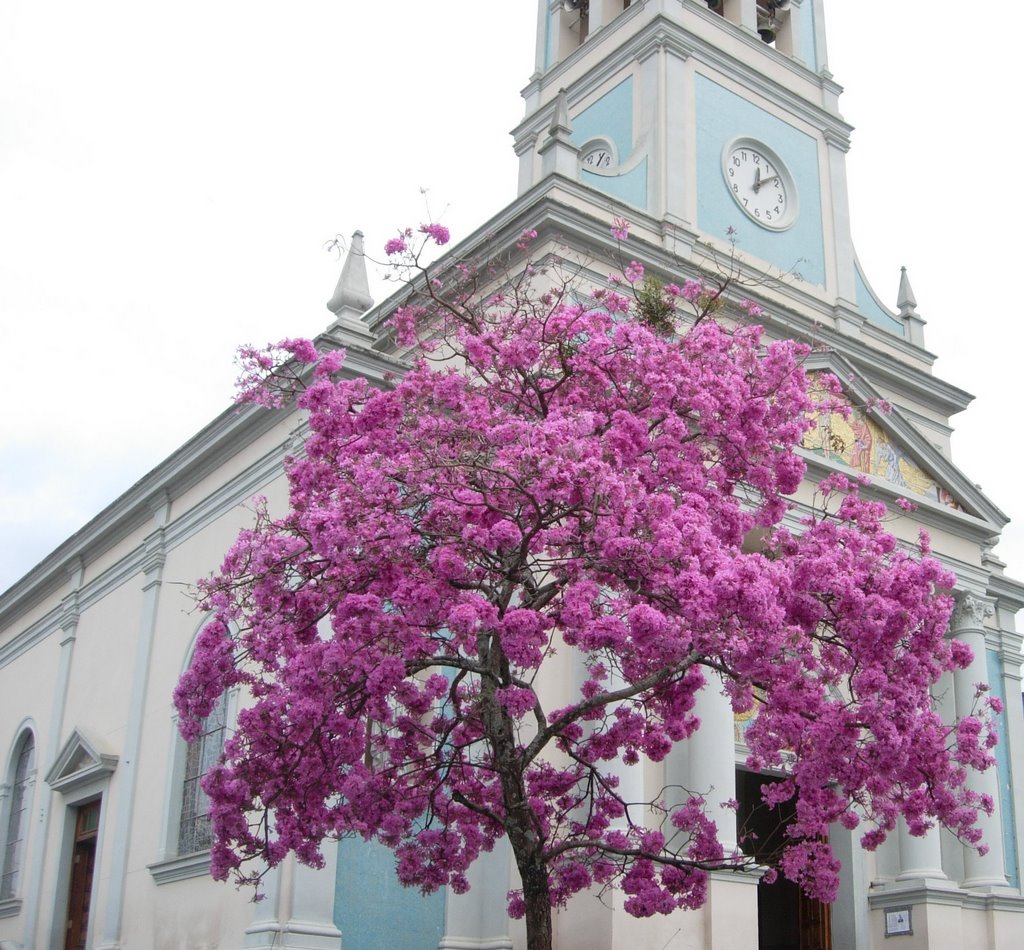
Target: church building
(713, 127)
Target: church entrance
(786, 918)
(83, 863)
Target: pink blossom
(438, 232)
(526, 238)
(634, 272)
(620, 229)
(395, 245)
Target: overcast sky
(170, 173)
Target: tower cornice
(665, 34)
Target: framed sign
(898, 922)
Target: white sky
(169, 174)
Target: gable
(80, 761)
(889, 449)
(860, 440)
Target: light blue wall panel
(872, 310)
(630, 186)
(373, 910)
(611, 118)
(723, 116)
(1010, 856)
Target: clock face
(760, 184)
(597, 156)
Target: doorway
(83, 864)
(787, 919)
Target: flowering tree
(566, 475)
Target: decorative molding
(664, 32)
(1005, 899)
(297, 934)
(180, 868)
(502, 942)
(79, 763)
(10, 907)
(970, 613)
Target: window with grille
(17, 818)
(194, 832)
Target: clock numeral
(736, 188)
(744, 202)
(732, 172)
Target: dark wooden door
(83, 863)
(815, 924)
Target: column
(631, 777)
(712, 758)
(920, 856)
(743, 13)
(968, 625)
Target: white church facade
(652, 111)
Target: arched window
(194, 832)
(186, 833)
(14, 840)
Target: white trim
(10, 908)
(180, 868)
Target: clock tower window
(576, 20)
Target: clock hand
(757, 180)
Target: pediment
(889, 449)
(80, 761)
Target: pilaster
(981, 871)
(471, 919)
(49, 748)
(298, 911)
(153, 561)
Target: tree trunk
(538, 907)
(521, 824)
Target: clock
(760, 183)
(598, 156)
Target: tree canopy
(594, 480)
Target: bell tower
(714, 122)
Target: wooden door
(815, 924)
(83, 863)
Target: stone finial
(558, 154)
(560, 126)
(906, 303)
(353, 291)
